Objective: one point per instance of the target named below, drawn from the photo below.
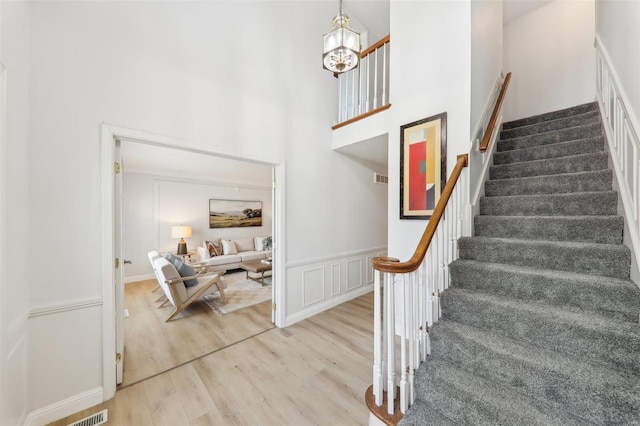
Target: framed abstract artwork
(423, 151)
(234, 213)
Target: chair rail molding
(39, 311)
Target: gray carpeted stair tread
(609, 260)
(551, 125)
(551, 184)
(556, 136)
(563, 149)
(589, 390)
(468, 399)
(422, 414)
(541, 321)
(552, 228)
(611, 297)
(571, 204)
(553, 166)
(554, 115)
(581, 335)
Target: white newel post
(377, 339)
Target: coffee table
(256, 267)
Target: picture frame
(234, 213)
(423, 161)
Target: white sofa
(246, 249)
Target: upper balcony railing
(364, 91)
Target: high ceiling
(370, 14)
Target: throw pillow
(267, 243)
(229, 247)
(175, 260)
(210, 248)
(244, 244)
(217, 246)
(257, 242)
(186, 271)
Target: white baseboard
(64, 408)
(327, 304)
(135, 278)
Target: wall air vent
(379, 178)
(92, 420)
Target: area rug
(240, 293)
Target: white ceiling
(155, 160)
(373, 153)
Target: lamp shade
(180, 231)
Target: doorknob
(127, 262)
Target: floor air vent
(93, 420)
(378, 178)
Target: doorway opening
(180, 174)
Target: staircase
(540, 324)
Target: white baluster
(386, 277)
(384, 74)
(404, 314)
(391, 362)
(353, 94)
(359, 80)
(424, 300)
(368, 95)
(377, 338)
(414, 360)
(341, 92)
(375, 79)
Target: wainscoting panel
(354, 274)
(335, 279)
(15, 369)
(54, 392)
(319, 284)
(368, 266)
(313, 284)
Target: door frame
(109, 133)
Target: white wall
(14, 230)
(155, 203)
(430, 63)
(220, 75)
(550, 53)
(486, 54)
(618, 26)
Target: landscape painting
(234, 213)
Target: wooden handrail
(361, 116)
(385, 264)
(384, 40)
(494, 116)
(371, 49)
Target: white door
(273, 234)
(118, 244)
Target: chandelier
(341, 46)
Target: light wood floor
(312, 373)
(153, 345)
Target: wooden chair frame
(180, 305)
